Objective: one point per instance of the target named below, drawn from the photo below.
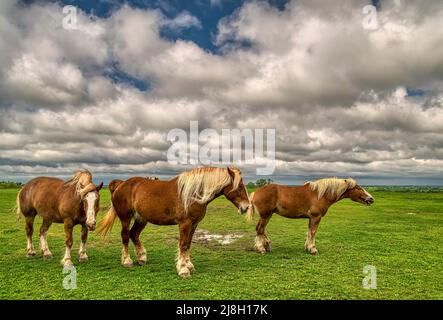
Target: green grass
(405, 248)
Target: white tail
(18, 210)
(251, 210)
(105, 226)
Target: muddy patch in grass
(211, 239)
(205, 237)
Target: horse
(312, 201)
(182, 200)
(73, 202)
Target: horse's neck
(215, 196)
(330, 200)
(69, 192)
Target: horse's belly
(163, 222)
(49, 214)
(58, 220)
(289, 212)
(159, 216)
(293, 214)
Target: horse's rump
(114, 184)
(263, 199)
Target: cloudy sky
(345, 100)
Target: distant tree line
(259, 183)
(10, 184)
(418, 189)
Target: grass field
(401, 235)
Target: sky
(343, 99)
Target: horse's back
(294, 201)
(289, 201)
(153, 199)
(139, 189)
(155, 195)
(38, 194)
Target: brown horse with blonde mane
(182, 200)
(312, 201)
(73, 202)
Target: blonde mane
(80, 180)
(201, 184)
(333, 187)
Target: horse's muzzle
(369, 201)
(91, 226)
(243, 209)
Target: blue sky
(208, 12)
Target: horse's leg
(44, 239)
(67, 261)
(310, 238)
(183, 249)
(189, 264)
(126, 258)
(140, 250)
(262, 242)
(30, 252)
(82, 256)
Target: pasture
(401, 235)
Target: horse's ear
(100, 186)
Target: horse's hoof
(47, 256)
(141, 262)
(184, 273)
(261, 250)
(190, 266)
(127, 264)
(142, 259)
(66, 263)
(83, 259)
(30, 254)
(313, 252)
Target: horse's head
(359, 194)
(90, 196)
(236, 191)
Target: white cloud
(28, 78)
(183, 20)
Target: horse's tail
(251, 210)
(17, 208)
(105, 226)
